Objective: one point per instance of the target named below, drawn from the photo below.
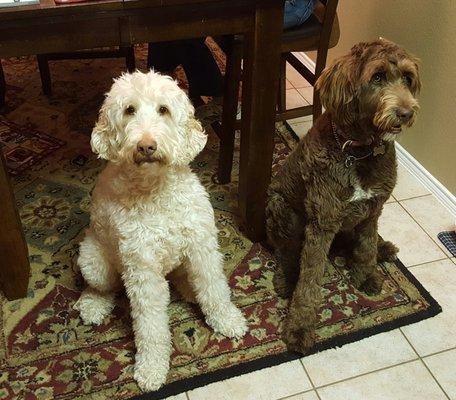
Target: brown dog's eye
(378, 77)
(130, 110)
(408, 80)
(163, 110)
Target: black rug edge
(195, 382)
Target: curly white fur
(150, 216)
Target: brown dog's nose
(404, 113)
(147, 146)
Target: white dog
(151, 216)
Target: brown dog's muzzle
(404, 114)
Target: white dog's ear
(196, 138)
(100, 140)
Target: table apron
(62, 34)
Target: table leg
(259, 95)
(14, 264)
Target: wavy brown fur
(310, 200)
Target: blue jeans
(296, 12)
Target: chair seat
(312, 27)
(304, 37)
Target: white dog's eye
(163, 110)
(130, 110)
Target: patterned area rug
(23, 146)
(45, 350)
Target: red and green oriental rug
(45, 350)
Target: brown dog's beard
(386, 120)
(389, 136)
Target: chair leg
(130, 58)
(45, 74)
(282, 99)
(2, 86)
(316, 105)
(229, 114)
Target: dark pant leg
(165, 56)
(203, 74)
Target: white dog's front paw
(94, 306)
(150, 372)
(228, 321)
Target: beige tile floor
(414, 362)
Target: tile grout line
(287, 80)
(439, 352)
(314, 388)
(435, 379)
(300, 76)
(310, 379)
(425, 231)
(291, 83)
(293, 86)
(426, 262)
(366, 373)
(299, 393)
(425, 366)
(414, 197)
(302, 104)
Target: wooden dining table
(48, 28)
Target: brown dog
(335, 182)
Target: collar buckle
(349, 161)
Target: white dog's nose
(146, 146)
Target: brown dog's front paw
(299, 340)
(387, 251)
(371, 285)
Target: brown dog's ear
(417, 83)
(337, 90)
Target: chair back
(330, 32)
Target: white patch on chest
(360, 194)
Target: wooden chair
(43, 61)
(320, 32)
(43, 65)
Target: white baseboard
(408, 161)
(305, 59)
(412, 165)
